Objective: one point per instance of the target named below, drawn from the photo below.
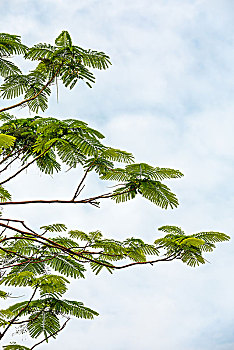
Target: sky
(168, 99)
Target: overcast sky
(169, 99)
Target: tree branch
(19, 221)
(82, 201)
(83, 254)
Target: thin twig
(20, 221)
(19, 313)
(81, 182)
(9, 155)
(18, 151)
(27, 165)
(4, 228)
(1, 171)
(30, 320)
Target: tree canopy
(45, 261)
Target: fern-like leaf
(64, 39)
(15, 347)
(6, 141)
(43, 322)
(4, 195)
(54, 228)
(3, 295)
(67, 266)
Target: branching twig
(79, 189)
(20, 221)
(83, 254)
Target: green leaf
(117, 155)
(158, 193)
(54, 228)
(4, 195)
(147, 171)
(69, 154)
(63, 39)
(14, 86)
(123, 194)
(15, 347)
(52, 284)
(212, 237)
(171, 229)
(8, 68)
(188, 248)
(4, 116)
(87, 146)
(97, 266)
(73, 308)
(6, 141)
(43, 322)
(67, 266)
(191, 241)
(43, 52)
(144, 178)
(79, 235)
(3, 294)
(21, 279)
(11, 44)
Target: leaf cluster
(43, 264)
(51, 142)
(144, 179)
(10, 45)
(62, 61)
(188, 248)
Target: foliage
(29, 259)
(63, 60)
(189, 248)
(49, 143)
(44, 262)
